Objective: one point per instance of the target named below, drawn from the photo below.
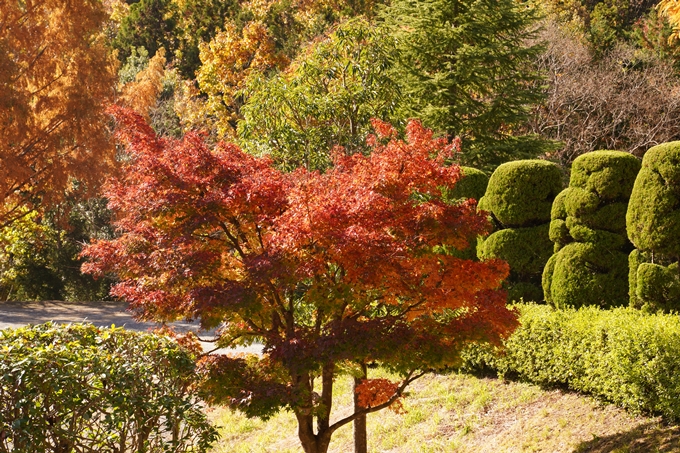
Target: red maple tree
(328, 271)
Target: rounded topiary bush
(653, 218)
(525, 249)
(586, 274)
(472, 184)
(608, 174)
(590, 265)
(519, 197)
(653, 225)
(521, 193)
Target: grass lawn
(461, 413)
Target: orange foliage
(56, 75)
(374, 392)
(141, 94)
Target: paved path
(18, 314)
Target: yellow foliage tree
(56, 77)
(671, 10)
(228, 60)
(277, 30)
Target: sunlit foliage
(329, 271)
(56, 76)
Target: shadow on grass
(648, 438)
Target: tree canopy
(466, 67)
(328, 270)
(54, 84)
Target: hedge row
(621, 355)
(80, 388)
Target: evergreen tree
(467, 70)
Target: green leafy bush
(588, 226)
(79, 388)
(520, 196)
(653, 225)
(39, 253)
(622, 355)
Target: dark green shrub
(521, 193)
(81, 388)
(623, 355)
(472, 184)
(525, 249)
(653, 225)
(586, 274)
(519, 197)
(590, 265)
(653, 217)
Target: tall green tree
(467, 69)
(151, 24)
(325, 98)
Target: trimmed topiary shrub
(586, 274)
(519, 197)
(472, 184)
(82, 388)
(588, 226)
(653, 225)
(521, 193)
(624, 356)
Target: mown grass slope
(461, 413)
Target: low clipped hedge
(79, 388)
(625, 356)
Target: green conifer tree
(467, 70)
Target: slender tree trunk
(360, 436)
(320, 441)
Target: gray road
(17, 314)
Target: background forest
(294, 79)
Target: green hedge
(82, 388)
(624, 356)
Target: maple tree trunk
(311, 443)
(360, 435)
(319, 442)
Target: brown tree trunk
(320, 441)
(360, 436)
(311, 443)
